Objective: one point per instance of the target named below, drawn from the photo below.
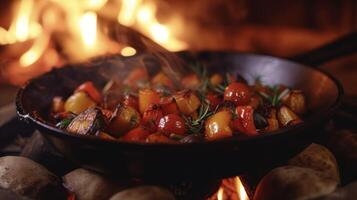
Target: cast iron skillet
(216, 159)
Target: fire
(242, 194)
(88, 29)
(21, 28)
(127, 12)
(220, 194)
(231, 189)
(142, 15)
(41, 28)
(93, 4)
(35, 52)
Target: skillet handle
(343, 46)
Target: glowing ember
(88, 28)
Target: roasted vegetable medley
(154, 109)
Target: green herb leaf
(196, 125)
(64, 123)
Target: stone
(30, 179)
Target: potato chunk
(78, 103)
(187, 101)
(218, 125)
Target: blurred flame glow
(23, 20)
(94, 4)
(142, 15)
(21, 28)
(127, 12)
(35, 52)
(88, 28)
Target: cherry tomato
(239, 93)
(91, 90)
(237, 125)
(172, 123)
(245, 121)
(138, 134)
(151, 117)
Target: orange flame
(220, 194)
(21, 28)
(35, 52)
(242, 194)
(88, 29)
(231, 188)
(142, 15)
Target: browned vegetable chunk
(78, 103)
(125, 118)
(87, 122)
(287, 117)
(216, 79)
(187, 101)
(295, 100)
(217, 126)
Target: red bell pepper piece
(244, 122)
(91, 90)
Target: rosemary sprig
(196, 125)
(201, 71)
(64, 123)
(221, 87)
(275, 98)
